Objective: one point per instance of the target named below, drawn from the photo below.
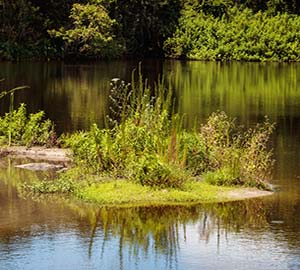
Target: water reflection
(60, 233)
(73, 95)
(63, 234)
(76, 95)
(244, 90)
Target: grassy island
(145, 155)
(130, 193)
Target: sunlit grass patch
(126, 192)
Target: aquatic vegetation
(62, 186)
(19, 128)
(146, 153)
(146, 144)
(107, 191)
(237, 157)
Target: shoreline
(239, 194)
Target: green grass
(119, 192)
(106, 191)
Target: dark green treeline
(56, 29)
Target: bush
(151, 170)
(256, 161)
(137, 147)
(91, 149)
(222, 176)
(193, 153)
(237, 157)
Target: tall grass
(146, 143)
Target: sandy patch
(245, 193)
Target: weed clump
(146, 143)
(237, 157)
(19, 128)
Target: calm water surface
(59, 234)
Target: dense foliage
(17, 127)
(24, 25)
(145, 25)
(201, 29)
(238, 35)
(90, 33)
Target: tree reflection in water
(146, 230)
(132, 234)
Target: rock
(49, 154)
(40, 166)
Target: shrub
(138, 146)
(193, 153)
(91, 149)
(222, 176)
(237, 157)
(256, 161)
(150, 170)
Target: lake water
(261, 233)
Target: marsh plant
(145, 142)
(237, 157)
(17, 127)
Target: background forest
(255, 30)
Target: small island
(144, 155)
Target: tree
(18, 24)
(145, 24)
(90, 32)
